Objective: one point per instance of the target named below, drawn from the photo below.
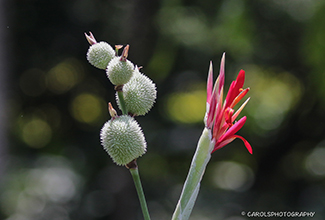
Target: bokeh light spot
(87, 108)
(315, 162)
(49, 184)
(300, 10)
(232, 176)
(64, 76)
(186, 107)
(186, 25)
(36, 133)
(273, 94)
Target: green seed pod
(119, 71)
(139, 94)
(123, 139)
(99, 54)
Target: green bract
(123, 139)
(119, 71)
(100, 54)
(139, 94)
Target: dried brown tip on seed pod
(90, 38)
(125, 53)
(111, 110)
(118, 47)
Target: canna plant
(220, 129)
(121, 136)
(123, 139)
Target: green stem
(122, 102)
(192, 184)
(138, 186)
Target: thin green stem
(138, 186)
(192, 183)
(122, 102)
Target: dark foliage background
(54, 103)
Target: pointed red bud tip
(222, 64)
(240, 79)
(212, 109)
(210, 83)
(125, 53)
(221, 77)
(90, 38)
(111, 110)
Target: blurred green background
(54, 103)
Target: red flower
(221, 116)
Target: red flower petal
(236, 127)
(235, 88)
(247, 145)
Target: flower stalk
(133, 167)
(192, 183)
(220, 129)
(119, 90)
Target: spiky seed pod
(100, 54)
(139, 94)
(119, 71)
(123, 139)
